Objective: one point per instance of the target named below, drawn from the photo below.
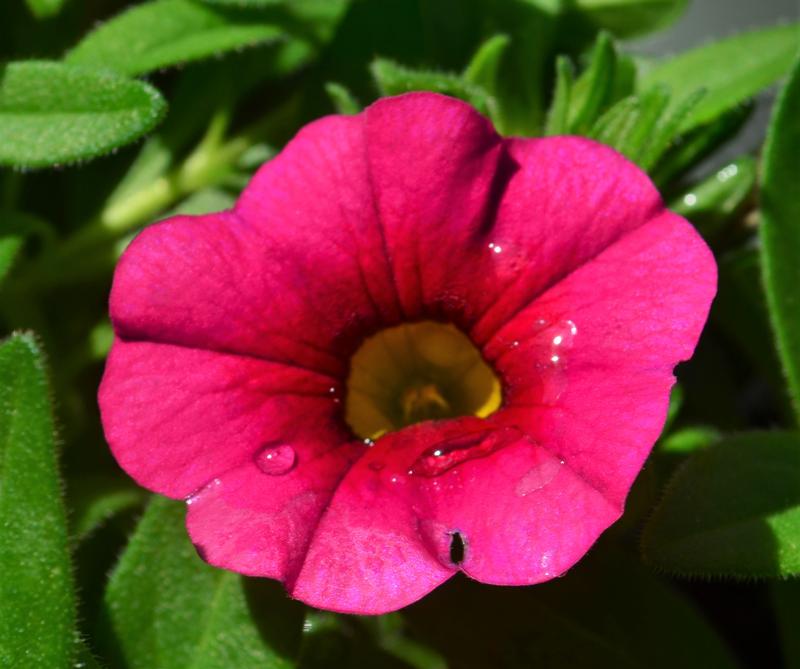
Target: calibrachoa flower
(413, 347)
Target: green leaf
(484, 67)
(730, 71)
(692, 147)
(732, 509)
(43, 9)
(394, 79)
(607, 611)
(557, 115)
(780, 229)
(168, 609)
(244, 3)
(635, 134)
(9, 247)
(592, 90)
(342, 98)
(689, 439)
(96, 499)
(626, 18)
(37, 607)
(52, 113)
(714, 201)
(163, 33)
(667, 129)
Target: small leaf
(667, 129)
(162, 33)
(96, 499)
(52, 113)
(37, 606)
(557, 115)
(484, 66)
(626, 18)
(9, 247)
(629, 126)
(691, 148)
(689, 439)
(168, 609)
(713, 202)
(730, 71)
(592, 90)
(780, 229)
(342, 98)
(394, 79)
(732, 509)
(43, 9)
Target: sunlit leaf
(168, 609)
(733, 509)
(162, 33)
(780, 229)
(52, 113)
(37, 607)
(730, 71)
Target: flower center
(416, 372)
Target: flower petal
(437, 167)
(176, 417)
(569, 199)
(601, 398)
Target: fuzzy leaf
(163, 33)
(593, 89)
(712, 202)
(394, 79)
(96, 499)
(484, 67)
(557, 115)
(731, 70)
(168, 609)
(694, 146)
(626, 18)
(52, 113)
(37, 606)
(732, 509)
(342, 98)
(780, 229)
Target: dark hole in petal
(456, 548)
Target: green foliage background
(113, 115)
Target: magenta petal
(176, 417)
(637, 310)
(260, 523)
(569, 199)
(436, 167)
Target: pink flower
(228, 380)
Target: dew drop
(276, 459)
(448, 454)
(369, 443)
(198, 494)
(539, 476)
(376, 466)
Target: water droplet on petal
(539, 476)
(198, 494)
(369, 443)
(376, 466)
(448, 454)
(276, 459)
